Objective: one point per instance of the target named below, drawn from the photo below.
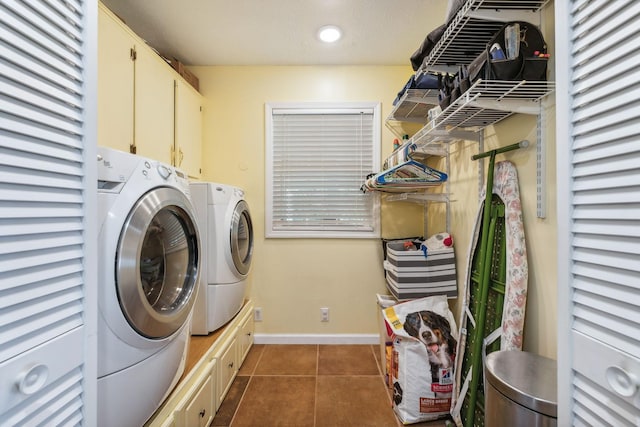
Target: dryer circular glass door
(241, 237)
(157, 263)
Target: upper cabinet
(188, 121)
(115, 83)
(144, 105)
(154, 106)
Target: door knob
(32, 379)
(622, 382)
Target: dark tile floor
(310, 385)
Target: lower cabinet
(198, 395)
(245, 336)
(232, 353)
(228, 368)
(197, 410)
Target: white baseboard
(316, 338)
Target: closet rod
(522, 144)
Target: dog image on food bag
(424, 339)
(434, 332)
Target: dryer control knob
(164, 171)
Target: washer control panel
(115, 168)
(164, 171)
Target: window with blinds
(318, 156)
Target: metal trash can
(520, 390)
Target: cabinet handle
(202, 413)
(181, 156)
(231, 365)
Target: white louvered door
(598, 143)
(47, 194)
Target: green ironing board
(491, 286)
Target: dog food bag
(424, 344)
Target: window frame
(327, 107)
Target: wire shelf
(417, 197)
(414, 105)
(489, 101)
(473, 27)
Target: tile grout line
(378, 363)
(315, 393)
(309, 375)
(381, 371)
(251, 374)
(235, 412)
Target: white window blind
(317, 159)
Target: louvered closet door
(599, 163)
(42, 223)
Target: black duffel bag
(530, 63)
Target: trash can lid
(528, 379)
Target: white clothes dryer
(149, 259)
(227, 235)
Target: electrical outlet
(324, 314)
(257, 314)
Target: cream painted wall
(540, 233)
(540, 335)
(292, 278)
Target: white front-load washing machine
(227, 248)
(148, 267)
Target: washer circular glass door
(241, 237)
(157, 263)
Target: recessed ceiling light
(329, 33)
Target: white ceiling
(282, 32)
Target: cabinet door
(154, 105)
(115, 83)
(245, 337)
(198, 408)
(227, 368)
(188, 122)
(200, 411)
